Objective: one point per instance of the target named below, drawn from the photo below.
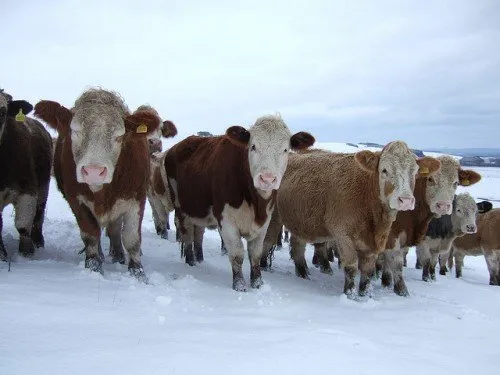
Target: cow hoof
(443, 271)
(164, 234)
(38, 240)
(118, 259)
(239, 285)
(418, 266)
(3, 253)
(93, 264)
(386, 279)
(401, 290)
(257, 283)
(139, 274)
(302, 272)
(426, 279)
(326, 270)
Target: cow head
(442, 186)
(98, 125)
(167, 129)
(484, 206)
(269, 142)
(11, 108)
(463, 217)
(397, 169)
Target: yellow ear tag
(465, 183)
(141, 129)
(424, 170)
(20, 116)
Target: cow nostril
(103, 172)
(84, 171)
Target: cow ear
(467, 177)
(168, 130)
(301, 140)
(55, 115)
(142, 122)
(238, 134)
(428, 166)
(19, 105)
(367, 160)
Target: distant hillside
(483, 152)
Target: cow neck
(252, 195)
(422, 214)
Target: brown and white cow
(485, 241)
(230, 182)
(25, 159)
(159, 201)
(434, 197)
(350, 199)
(101, 164)
(442, 231)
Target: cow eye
(431, 180)
(455, 184)
(286, 150)
(384, 171)
(253, 148)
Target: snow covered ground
(58, 318)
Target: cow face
(99, 125)
(166, 129)
(463, 217)
(269, 142)
(397, 168)
(442, 186)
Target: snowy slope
(57, 318)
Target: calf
(351, 199)
(25, 159)
(101, 165)
(434, 197)
(482, 207)
(443, 231)
(485, 241)
(230, 182)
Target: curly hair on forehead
(100, 96)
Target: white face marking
(268, 151)
(442, 186)
(97, 129)
(464, 214)
(397, 172)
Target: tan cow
(485, 241)
(351, 200)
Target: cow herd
(367, 208)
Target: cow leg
(131, 238)
(198, 233)
(379, 266)
(423, 252)
(223, 249)
(405, 253)
(387, 268)
(3, 252)
(418, 263)
(37, 230)
(286, 236)
(255, 247)
(366, 264)
(167, 223)
(178, 231)
(273, 229)
(25, 208)
(321, 252)
(115, 241)
(297, 253)
(236, 251)
(434, 262)
(459, 263)
(394, 260)
(329, 251)
(336, 253)
(450, 258)
(493, 263)
(160, 216)
(443, 257)
(279, 242)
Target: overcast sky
(427, 72)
